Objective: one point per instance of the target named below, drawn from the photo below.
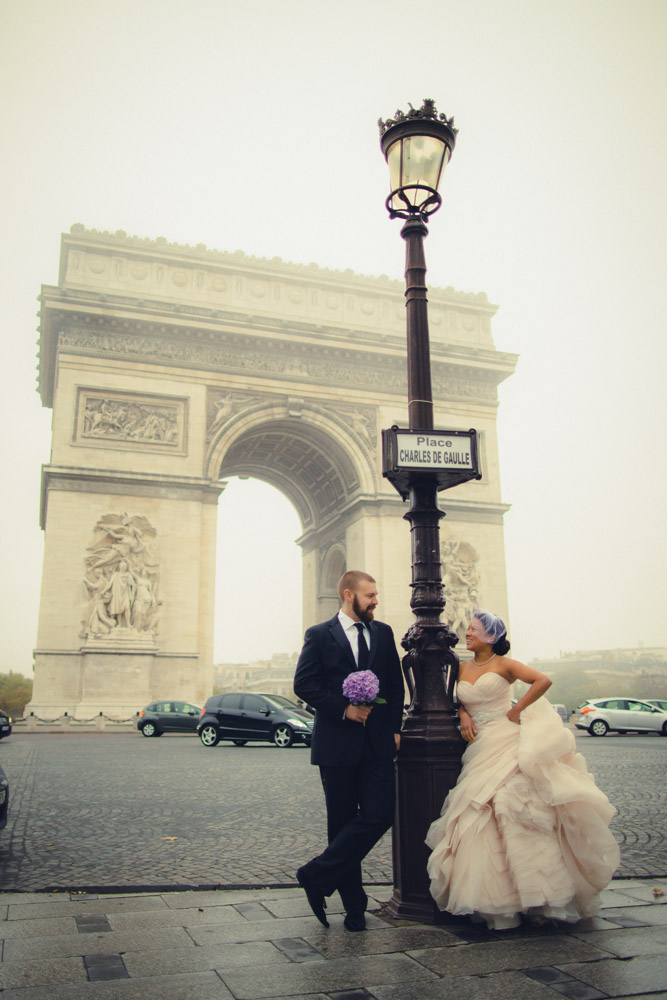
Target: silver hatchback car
(620, 715)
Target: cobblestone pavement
(98, 810)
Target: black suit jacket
(325, 661)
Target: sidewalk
(263, 944)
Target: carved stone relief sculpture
(125, 420)
(220, 407)
(121, 579)
(461, 580)
(362, 420)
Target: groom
(354, 745)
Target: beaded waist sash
(479, 718)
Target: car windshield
(279, 702)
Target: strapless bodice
(487, 699)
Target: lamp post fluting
(417, 146)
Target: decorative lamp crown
(417, 147)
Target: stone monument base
(115, 677)
(116, 674)
(120, 640)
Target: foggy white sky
(253, 126)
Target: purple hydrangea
(361, 687)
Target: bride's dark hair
(502, 646)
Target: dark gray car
(168, 717)
(5, 723)
(243, 718)
(4, 799)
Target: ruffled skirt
(525, 829)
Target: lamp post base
(428, 767)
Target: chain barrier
(70, 718)
(49, 722)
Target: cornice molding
(127, 312)
(468, 511)
(77, 480)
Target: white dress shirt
(352, 633)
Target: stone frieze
(380, 373)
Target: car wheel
(663, 731)
(149, 729)
(209, 735)
(239, 743)
(599, 728)
(283, 736)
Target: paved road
(108, 810)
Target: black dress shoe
(355, 922)
(315, 899)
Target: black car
(5, 723)
(4, 799)
(242, 718)
(168, 717)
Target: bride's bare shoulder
(507, 662)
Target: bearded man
(353, 745)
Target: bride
(526, 829)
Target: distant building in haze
(274, 676)
(640, 672)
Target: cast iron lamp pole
(417, 146)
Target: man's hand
(397, 741)
(358, 713)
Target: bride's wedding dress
(525, 829)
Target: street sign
(449, 457)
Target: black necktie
(362, 656)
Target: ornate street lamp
(417, 147)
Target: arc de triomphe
(169, 368)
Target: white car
(620, 715)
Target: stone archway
(316, 457)
(310, 452)
(169, 368)
(334, 564)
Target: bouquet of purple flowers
(362, 687)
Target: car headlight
(297, 723)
